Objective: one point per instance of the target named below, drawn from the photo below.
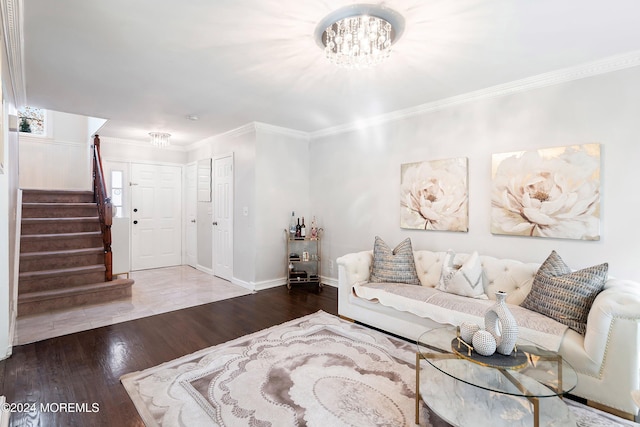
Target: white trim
(142, 162)
(242, 130)
(184, 210)
(239, 131)
(606, 65)
(274, 283)
(4, 415)
(248, 128)
(329, 281)
(112, 140)
(231, 208)
(242, 283)
(268, 284)
(44, 139)
(13, 310)
(265, 127)
(203, 269)
(12, 22)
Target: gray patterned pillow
(563, 295)
(393, 266)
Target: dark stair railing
(105, 208)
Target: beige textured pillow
(464, 280)
(393, 266)
(563, 295)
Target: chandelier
(159, 139)
(359, 36)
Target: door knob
(215, 222)
(135, 210)
(193, 220)
(135, 222)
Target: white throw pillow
(464, 280)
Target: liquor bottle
(303, 229)
(298, 229)
(292, 225)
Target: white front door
(223, 217)
(191, 208)
(156, 205)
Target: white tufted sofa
(607, 358)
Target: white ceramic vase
(467, 330)
(484, 343)
(500, 323)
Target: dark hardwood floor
(85, 367)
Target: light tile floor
(154, 292)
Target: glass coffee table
(464, 388)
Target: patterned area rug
(314, 371)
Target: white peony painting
(551, 192)
(434, 195)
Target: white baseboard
(204, 269)
(4, 415)
(330, 281)
(268, 284)
(246, 285)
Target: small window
(32, 120)
(117, 192)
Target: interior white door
(156, 205)
(191, 213)
(223, 217)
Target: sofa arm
(356, 268)
(619, 301)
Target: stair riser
(52, 243)
(60, 282)
(53, 227)
(48, 262)
(36, 307)
(55, 197)
(59, 211)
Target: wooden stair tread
(74, 290)
(62, 235)
(39, 191)
(63, 271)
(63, 252)
(63, 219)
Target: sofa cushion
(452, 309)
(464, 280)
(393, 266)
(564, 295)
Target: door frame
(185, 225)
(231, 207)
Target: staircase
(62, 257)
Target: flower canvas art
(434, 195)
(551, 192)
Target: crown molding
(131, 142)
(12, 24)
(242, 130)
(259, 126)
(603, 66)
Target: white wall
(242, 144)
(355, 176)
(66, 143)
(116, 149)
(8, 208)
(271, 178)
(282, 186)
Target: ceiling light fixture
(359, 36)
(159, 139)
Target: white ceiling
(147, 64)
